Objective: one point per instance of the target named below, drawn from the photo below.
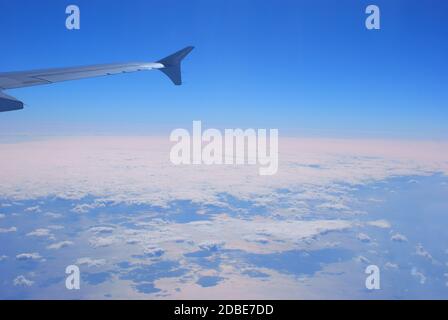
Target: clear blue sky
(305, 67)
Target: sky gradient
(305, 67)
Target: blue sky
(305, 67)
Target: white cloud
(362, 259)
(257, 239)
(8, 230)
(30, 256)
(132, 241)
(99, 242)
(390, 265)
(334, 206)
(35, 209)
(3, 257)
(90, 262)
(98, 230)
(399, 238)
(421, 251)
(154, 252)
(223, 230)
(383, 224)
(211, 245)
(59, 245)
(117, 169)
(419, 275)
(363, 237)
(136, 171)
(53, 215)
(86, 207)
(21, 281)
(40, 233)
(2, 216)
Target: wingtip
(172, 64)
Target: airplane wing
(171, 66)
(8, 103)
(47, 76)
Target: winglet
(8, 103)
(172, 65)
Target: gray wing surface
(14, 80)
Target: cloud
(86, 207)
(105, 167)
(311, 196)
(99, 242)
(153, 252)
(35, 209)
(362, 259)
(383, 224)
(8, 230)
(21, 281)
(59, 245)
(225, 231)
(53, 215)
(2, 216)
(30, 256)
(3, 257)
(333, 206)
(132, 241)
(390, 266)
(421, 251)
(363, 237)
(256, 239)
(40, 233)
(398, 238)
(99, 230)
(89, 262)
(419, 275)
(212, 246)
